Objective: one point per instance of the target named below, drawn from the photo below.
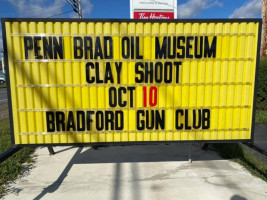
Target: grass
(2, 85)
(261, 117)
(13, 166)
(238, 154)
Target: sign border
(3, 20)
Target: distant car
(2, 80)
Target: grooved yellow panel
(131, 81)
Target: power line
(60, 14)
(76, 6)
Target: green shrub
(261, 103)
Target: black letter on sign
(179, 46)
(108, 74)
(158, 72)
(189, 46)
(132, 47)
(48, 48)
(78, 47)
(112, 92)
(210, 50)
(58, 47)
(118, 68)
(80, 116)
(50, 123)
(120, 91)
(37, 48)
(89, 120)
(119, 118)
(171, 53)
(98, 48)
(186, 118)
(125, 51)
(60, 120)
(160, 52)
(177, 126)
(177, 65)
(88, 43)
(99, 122)
(196, 122)
(28, 45)
(138, 56)
(148, 72)
(71, 123)
(87, 68)
(168, 70)
(109, 119)
(131, 89)
(150, 125)
(160, 120)
(206, 119)
(140, 126)
(200, 47)
(108, 40)
(137, 71)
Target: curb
(261, 157)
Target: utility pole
(80, 9)
(264, 26)
(76, 6)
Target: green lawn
(2, 85)
(237, 153)
(11, 167)
(261, 117)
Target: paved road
(3, 95)
(156, 172)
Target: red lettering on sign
(153, 15)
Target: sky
(121, 9)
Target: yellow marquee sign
(100, 81)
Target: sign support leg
(205, 146)
(51, 150)
(9, 153)
(190, 154)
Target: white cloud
(37, 8)
(251, 8)
(45, 8)
(87, 8)
(192, 7)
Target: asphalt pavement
(3, 95)
(156, 172)
(260, 135)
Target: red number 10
(153, 96)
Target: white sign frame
(153, 6)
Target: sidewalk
(136, 172)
